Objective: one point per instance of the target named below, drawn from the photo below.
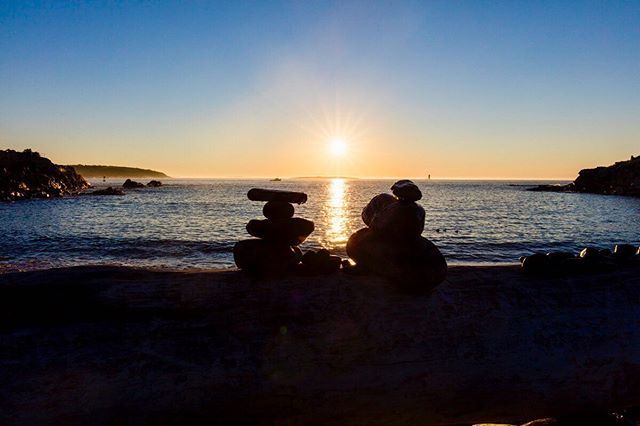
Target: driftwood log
(115, 345)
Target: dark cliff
(26, 174)
(621, 178)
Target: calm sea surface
(195, 223)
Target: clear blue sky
(455, 88)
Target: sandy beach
(107, 344)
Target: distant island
(88, 171)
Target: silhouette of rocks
(590, 259)
(375, 206)
(26, 174)
(414, 264)
(624, 250)
(320, 262)
(257, 194)
(276, 251)
(406, 190)
(621, 178)
(400, 220)
(265, 257)
(278, 210)
(291, 231)
(154, 184)
(394, 218)
(392, 246)
(132, 184)
(108, 191)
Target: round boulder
(264, 257)
(278, 210)
(406, 190)
(400, 220)
(415, 264)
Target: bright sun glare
(338, 147)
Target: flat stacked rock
(275, 249)
(392, 244)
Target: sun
(338, 147)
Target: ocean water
(195, 223)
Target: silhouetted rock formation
(108, 191)
(26, 174)
(154, 184)
(319, 262)
(132, 184)
(392, 245)
(590, 259)
(621, 178)
(276, 251)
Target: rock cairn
(590, 259)
(392, 244)
(275, 248)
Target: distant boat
(276, 180)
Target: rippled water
(194, 224)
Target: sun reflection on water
(336, 233)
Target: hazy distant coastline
(92, 171)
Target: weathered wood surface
(106, 344)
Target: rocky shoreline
(25, 175)
(621, 178)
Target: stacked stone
(275, 248)
(392, 244)
(590, 259)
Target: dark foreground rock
(257, 194)
(154, 184)
(132, 184)
(621, 178)
(115, 345)
(265, 257)
(107, 191)
(26, 174)
(415, 264)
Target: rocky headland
(621, 178)
(26, 174)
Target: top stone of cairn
(257, 194)
(406, 190)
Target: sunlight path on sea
(336, 234)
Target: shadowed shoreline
(110, 344)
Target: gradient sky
(459, 89)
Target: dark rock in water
(26, 174)
(414, 264)
(132, 184)
(264, 257)
(154, 184)
(624, 250)
(406, 190)
(108, 191)
(278, 210)
(290, 231)
(257, 194)
(320, 263)
(399, 220)
(375, 206)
